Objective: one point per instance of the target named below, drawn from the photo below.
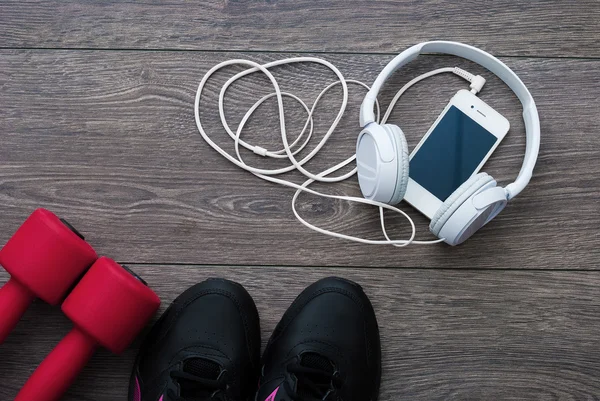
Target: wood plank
(446, 335)
(534, 28)
(108, 140)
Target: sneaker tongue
(314, 361)
(202, 368)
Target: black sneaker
(326, 347)
(206, 346)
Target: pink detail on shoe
(137, 394)
(161, 398)
(272, 396)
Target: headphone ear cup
(402, 159)
(376, 163)
(382, 163)
(454, 201)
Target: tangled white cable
(287, 150)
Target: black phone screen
(450, 154)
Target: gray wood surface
(535, 27)
(96, 123)
(108, 140)
(447, 335)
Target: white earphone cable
(287, 152)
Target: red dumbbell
(109, 307)
(44, 258)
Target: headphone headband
(530, 114)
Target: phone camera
(472, 106)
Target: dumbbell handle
(14, 300)
(60, 368)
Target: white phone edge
(492, 121)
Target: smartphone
(455, 148)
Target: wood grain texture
(108, 140)
(446, 335)
(535, 28)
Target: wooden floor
(96, 124)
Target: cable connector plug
(259, 150)
(466, 75)
(477, 84)
(477, 81)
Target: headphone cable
(287, 151)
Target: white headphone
(382, 155)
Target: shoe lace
(313, 383)
(198, 388)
